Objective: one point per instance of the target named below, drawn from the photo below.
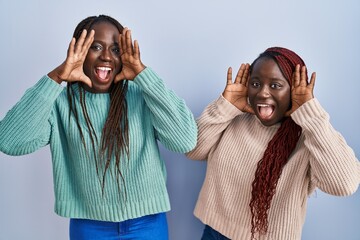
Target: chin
(268, 122)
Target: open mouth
(103, 73)
(265, 110)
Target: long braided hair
(115, 136)
(278, 151)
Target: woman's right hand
(130, 57)
(71, 70)
(236, 92)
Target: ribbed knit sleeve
(26, 127)
(211, 124)
(174, 123)
(334, 167)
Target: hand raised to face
(130, 57)
(301, 90)
(236, 92)
(71, 69)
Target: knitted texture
(41, 117)
(232, 142)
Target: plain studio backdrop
(190, 44)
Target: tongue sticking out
(103, 74)
(265, 112)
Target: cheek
(87, 69)
(88, 63)
(251, 96)
(286, 101)
(118, 64)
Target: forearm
(211, 124)
(54, 75)
(171, 118)
(26, 127)
(334, 166)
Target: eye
(255, 84)
(96, 47)
(116, 50)
(276, 85)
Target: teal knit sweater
(41, 117)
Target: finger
(245, 75)
(129, 46)
(312, 80)
(303, 76)
(247, 81)
(240, 73)
(71, 47)
(229, 76)
(296, 76)
(123, 41)
(80, 41)
(136, 49)
(89, 40)
(121, 44)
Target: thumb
(248, 109)
(87, 81)
(119, 77)
(290, 111)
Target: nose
(106, 55)
(264, 92)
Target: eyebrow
(272, 79)
(102, 43)
(279, 79)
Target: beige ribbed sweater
(233, 142)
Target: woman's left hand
(301, 90)
(130, 57)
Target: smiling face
(102, 62)
(268, 91)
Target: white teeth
(263, 105)
(104, 68)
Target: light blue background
(190, 44)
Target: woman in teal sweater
(103, 130)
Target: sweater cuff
(226, 108)
(309, 110)
(147, 79)
(48, 88)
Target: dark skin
(72, 69)
(236, 92)
(102, 61)
(268, 92)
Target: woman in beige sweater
(268, 144)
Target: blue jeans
(150, 227)
(211, 234)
